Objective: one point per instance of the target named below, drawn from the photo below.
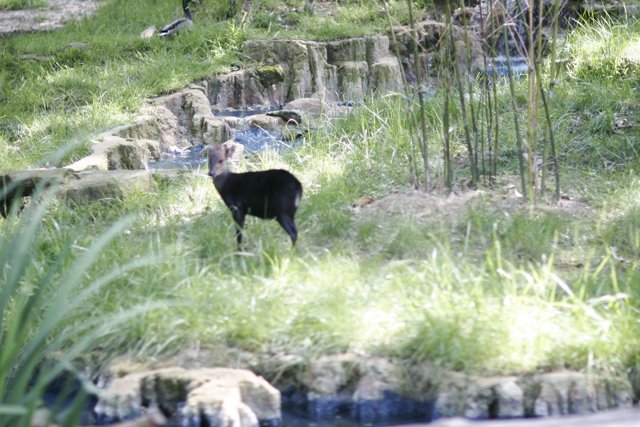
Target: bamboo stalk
(488, 116)
(424, 145)
(472, 109)
(460, 87)
(552, 80)
(514, 107)
(448, 170)
(494, 92)
(554, 157)
(532, 101)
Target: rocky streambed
(348, 389)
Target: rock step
(207, 396)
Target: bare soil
(54, 15)
(450, 208)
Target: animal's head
(217, 157)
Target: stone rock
(221, 397)
(289, 117)
(552, 394)
(327, 70)
(122, 400)
(240, 90)
(203, 126)
(378, 49)
(449, 392)
(132, 154)
(509, 399)
(266, 122)
(148, 32)
(215, 405)
(18, 185)
(384, 76)
(499, 397)
(115, 152)
(106, 185)
(292, 56)
(353, 81)
(184, 119)
(270, 75)
(323, 74)
(144, 127)
(368, 389)
(86, 186)
(308, 105)
(379, 394)
(377, 378)
(348, 50)
(234, 123)
(430, 36)
(563, 393)
(328, 375)
(78, 45)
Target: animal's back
(268, 193)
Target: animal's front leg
(238, 216)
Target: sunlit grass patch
(599, 49)
(621, 222)
(499, 318)
(20, 4)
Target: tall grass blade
(36, 347)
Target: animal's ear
(229, 150)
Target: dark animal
(179, 24)
(12, 193)
(269, 194)
(17, 188)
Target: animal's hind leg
(289, 226)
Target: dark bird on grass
(179, 24)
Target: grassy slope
(496, 291)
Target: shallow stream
(253, 139)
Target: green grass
(500, 289)
(352, 18)
(496, 286)
(20, 4)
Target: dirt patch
(454, 207)
(54, 15)
(420, 206)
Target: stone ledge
(221, 396)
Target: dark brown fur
(269, 194)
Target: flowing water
(253, 140)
